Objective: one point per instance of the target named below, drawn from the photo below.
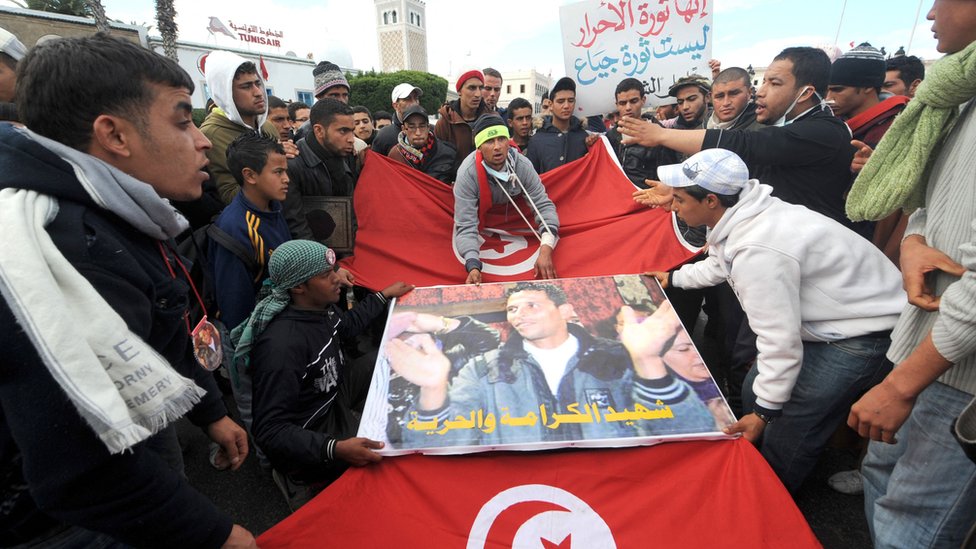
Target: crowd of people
(835, 205)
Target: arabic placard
(597, 362)
(654, 42)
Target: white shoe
(847, 482)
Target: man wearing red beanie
(457, 116)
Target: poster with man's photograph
(596, 362)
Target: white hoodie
(220, 69)
(800, 276)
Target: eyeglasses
(416, 127)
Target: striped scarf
(414, 155)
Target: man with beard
(326, 165)
(692, 94)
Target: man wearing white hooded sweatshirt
(241, 105)
(821, 300)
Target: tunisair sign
(257, 35)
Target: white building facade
(529, 85)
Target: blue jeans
(921, 491)
(832, 377)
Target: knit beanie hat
(563, 84)
(291, 264)
(488, 126)
(468, 76)
(861, 67)
(328, 75)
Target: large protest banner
(594, 362)
(406, 224)
(605, 41)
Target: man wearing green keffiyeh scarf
(307, 396)
(919, 486)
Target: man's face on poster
(535, 317)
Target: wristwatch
(766, 419)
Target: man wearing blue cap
(821, 300)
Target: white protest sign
(656, 42)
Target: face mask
(782, 120)
(501, 176)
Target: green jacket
(221, 131)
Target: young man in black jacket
(103, 309)
(804, 152)
(308, 396)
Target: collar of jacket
(604, 359)
(452, 111)
(575, 124)
(311, 151)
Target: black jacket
(387, 137)
(437, 163)
(296, 369)
(309, 176)
(807, 162)
(551, 148)
(53, 468)
(639, 162)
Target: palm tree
(80, 8)
(66, 7)
(166, 23)
(97, 11)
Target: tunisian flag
(406, 225)
(687, 494)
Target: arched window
(418, 20)
(394, 17)
(386, 18)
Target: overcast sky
(524, 34)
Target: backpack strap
(228, 242)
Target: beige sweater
(948, 223)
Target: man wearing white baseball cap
(11, 52)
(404, 96)
(821, 300)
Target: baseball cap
(704, 84)
(715, 170)
(402, 91)
(10, 45)
(414, 109)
